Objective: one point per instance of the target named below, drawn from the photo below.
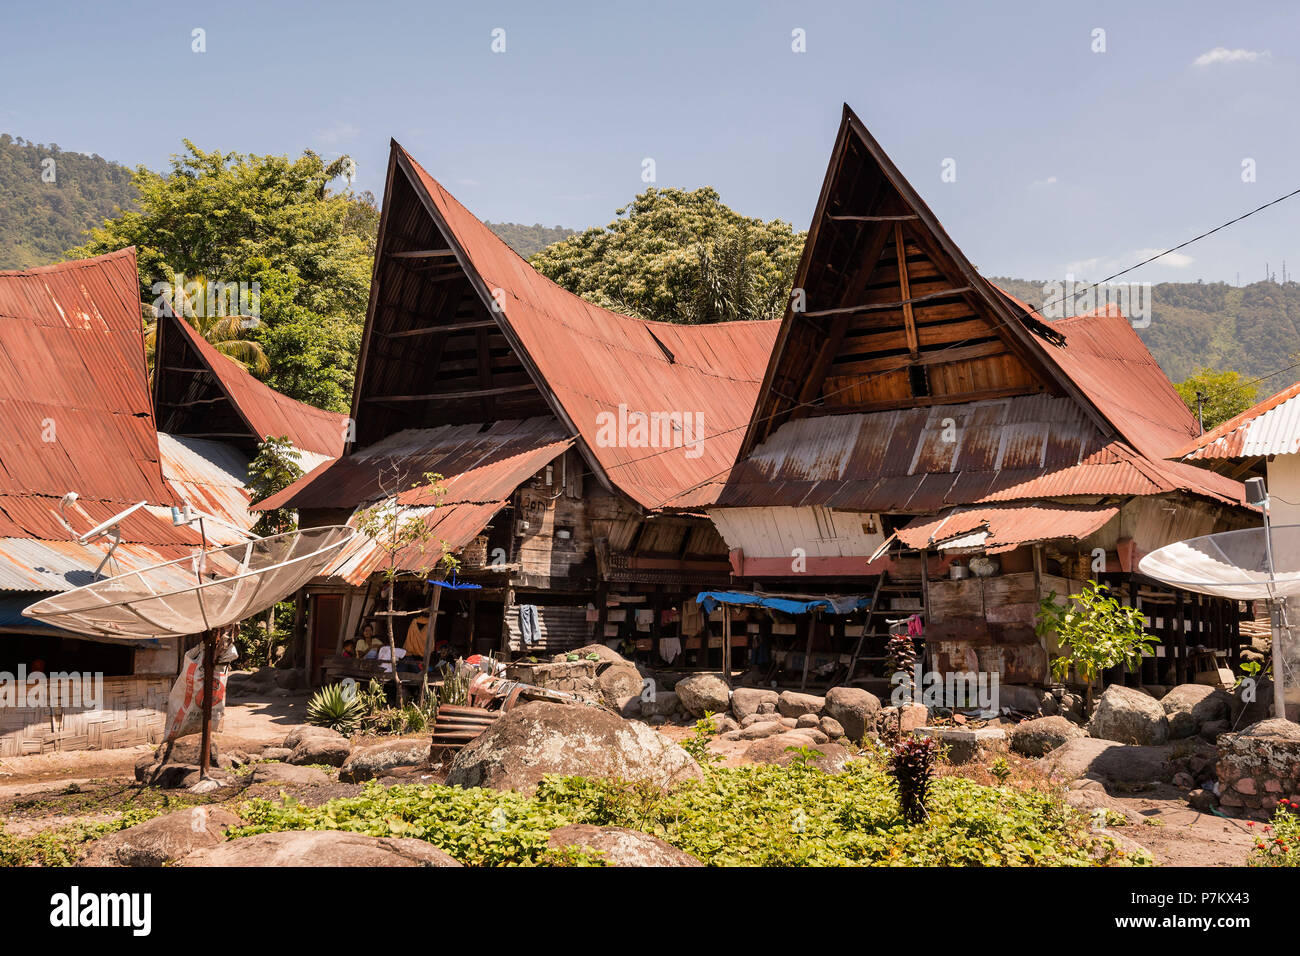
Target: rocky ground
(1144, 768)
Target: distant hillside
(40, 220)
(1252, 329)
(527, 240)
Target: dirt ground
(47, 791)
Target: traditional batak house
(925, 444)
(559, 428)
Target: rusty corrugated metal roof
(997, 528)
(1103, 355)
(593, 360)
(265, 411)
(923, 459)
(481, 465)
(75, 413)
(1270, 428)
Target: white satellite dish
(1253, 564)
(196, 595)
(1231, 564)
(204, 592)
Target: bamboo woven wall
(133, 713)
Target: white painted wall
(1284, 482)
(820, 532)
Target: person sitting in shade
(379, 651)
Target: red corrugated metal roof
(266, 411)
(1005, 527)
(75, 413)
(72, 370)
(479, 463)
(593, 360)
(1103, 355)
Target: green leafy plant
(697, 744)
(335, 707)
(1001, 770)
(403, 532)
(1096, 632)
(738, 816)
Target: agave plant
(335, 707)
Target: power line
(997, 322)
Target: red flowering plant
(1279, 844)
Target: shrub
(743, 816)
(335, 707)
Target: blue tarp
(845, 604)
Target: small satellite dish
(107, 526)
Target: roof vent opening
(919, 381)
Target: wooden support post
(1180, 640)
(430, 637)
(909, 320)
(807, 651)
(209, 665)
(726, 644)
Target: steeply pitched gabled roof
(461, 329)
(75, 416)
(901, 379)
(201, 393)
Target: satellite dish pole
(1257, 494)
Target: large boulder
(1129, 716)
(794, 704)
(747, 701)
(776, 750)
(1034, 738)
(617, 681)
(542, 738)
(162, 839)
(299, 734)
(1190, 706)
(367, 763)
(619, 846)
(326, 751)
(606, 654)
(703, 692)
(1107, 761)
(289, 775)
(319, 848)
(855, 710)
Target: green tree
(274, 468)
(680, 256)
(1095, 633)
(265, 220)
(1226, 394)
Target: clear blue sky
(1067, 159)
